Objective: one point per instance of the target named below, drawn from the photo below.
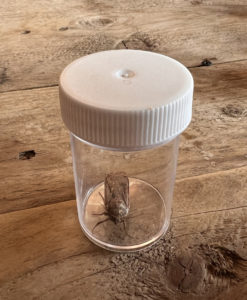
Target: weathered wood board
(38, 41)
(44, 254)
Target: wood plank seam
(56, 84)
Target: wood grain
(38, 41)
(44, 253)
(31, 121)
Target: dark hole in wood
(26, 31)
(63, 28)
(27, 154)
(206, 63)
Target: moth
(116, 198)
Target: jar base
(146, 222)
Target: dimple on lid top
(126, 99)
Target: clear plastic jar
(151, 176)
(124, 143)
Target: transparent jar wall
(151, 176)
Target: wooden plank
(189, 32)
(208, 192)
(44, 253)
(106, 275)
(31, 121)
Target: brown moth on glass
(116, 198)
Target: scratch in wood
(3, 75)
(76, 279)
(29, 88)
(209, 211)
(55, 262)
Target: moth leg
(100, 222)
(124, 224)
(132, 211)
(126, 232)
(102, 197)
(124, 198)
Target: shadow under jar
(125, 110)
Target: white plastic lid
(126, 99)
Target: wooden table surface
(43, 252)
